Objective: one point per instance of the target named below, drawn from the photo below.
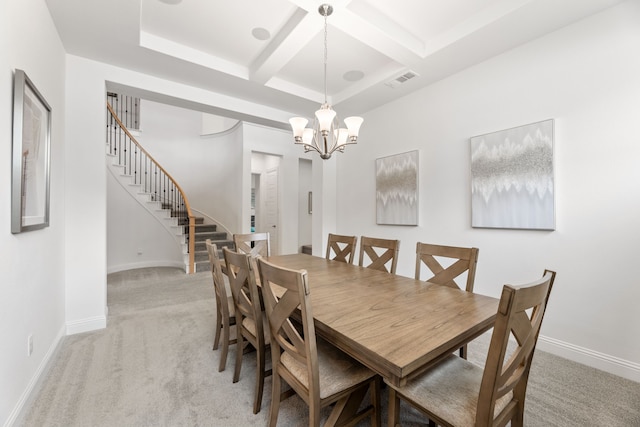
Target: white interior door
(271, 214)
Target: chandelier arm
(309, 147)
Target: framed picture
(397, 189)
(30, 157)
(512, 178)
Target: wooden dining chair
(251, 326)
(343, 248)
(466, 260)
(462, 260)
(253, 243)
(317, 371)
(458, 393)
(225, 307)
(369, 252)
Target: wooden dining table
(395, 325)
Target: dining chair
(462, 260)
(251, 326)
(318, 372)
(342, 247)
(466, 260)
(253, 243)
(458, 393)
(369, 248)
(225, 307)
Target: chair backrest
(379, 261)
(244, 290)
(253, 243)
(343, 247)
(218, 278)
(520, 314)
(466, 261)
(285, 290)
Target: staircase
(157, 192)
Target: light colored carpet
(153, 366)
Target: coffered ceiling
(271, 52)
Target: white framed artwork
(397, 189)
(512, 178)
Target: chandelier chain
(325, 53)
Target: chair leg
(314, 413)
(394, 408)
(375, 402)
(239, 351)
(216, 339)
(259, 379)
(518, 418)
(463, 351)
(225, 347)
(276, 383)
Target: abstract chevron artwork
(512, 178)
(397, 189)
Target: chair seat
(250, 325)
(450, 391)
(337, 370)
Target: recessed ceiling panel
(345, 54)
(220, 28)
(428, 18)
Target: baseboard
(86, 325)
(35, 379)
(604, 362)
(145, 264)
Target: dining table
(395, 325)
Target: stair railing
(152, 177)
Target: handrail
(161, 181)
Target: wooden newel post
(192, 244)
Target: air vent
(401, 79)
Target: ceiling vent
(401, 79)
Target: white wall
(85, 217)
(32, 264)
(305, 185)
(212, 124)
(135, 237)
(587, 78)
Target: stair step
(201, 256)
(202, 266)
(204, 228)
(185, 221)
(213, 235)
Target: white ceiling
(209, 43)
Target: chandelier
(325, 137)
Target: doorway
(265, 197)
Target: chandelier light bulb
(325, 118)
(298, 124)
(353, 125)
